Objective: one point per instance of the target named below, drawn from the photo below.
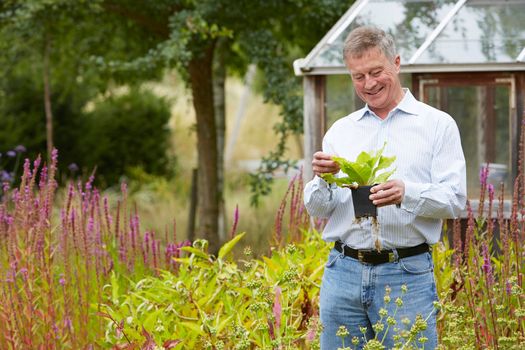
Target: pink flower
(490, 188)
(483, 175)
(487, 266)
(277, 308)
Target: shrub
(119, 133)
(223, 304)
(23, 120)
(128, 131)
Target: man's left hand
(388, 193)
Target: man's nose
(370, 82)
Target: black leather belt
(374, 257)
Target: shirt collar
(408, 105)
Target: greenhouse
(466, 57)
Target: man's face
(376, 80)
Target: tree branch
(158, 27)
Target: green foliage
(126, 131)
(294, 29)
(91, 277)
(118, 134)
(364, 171)
(224, 304)
(74, 31)
(23, 121)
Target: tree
(31, 25)
(72, 82)
(203, 39)
(192, 35)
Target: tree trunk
(47, 98)
(200, 70)
(219, 97)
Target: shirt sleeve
(445, 197)
(320, 198)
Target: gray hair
(364, 38)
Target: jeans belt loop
(393, 256)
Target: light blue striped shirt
(429, 160)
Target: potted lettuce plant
(367, 170)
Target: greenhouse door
(483, 106)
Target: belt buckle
(391, 257)
(360, 255)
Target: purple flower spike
(277, 308)
(62, 281)
(490, 188)
(68, 323)
(20, 149)
(5, 176)
(11, 154)
(483, 175)
(487, 266)
(73, 167)
(508, 287)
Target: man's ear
(397, 63)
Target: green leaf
(151, 319)
(363, 157)
(383, 177)
(363, 170)
(192, 327)
(329, 178)
(224, 323)
(228, 246)
(186, 261)
(114, 288)
(385, 162)
(339, 181)
(196, 252)
(349, 169)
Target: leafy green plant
(364, 171)
(221, 303)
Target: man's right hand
(323, 163)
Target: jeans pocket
(417, 264)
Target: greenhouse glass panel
(409, 21)
(481, 32)
(483, 118)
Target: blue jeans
(352, 293)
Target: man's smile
(372, 93)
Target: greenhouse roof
(432, 35)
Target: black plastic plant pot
(363, 206)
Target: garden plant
(363, 171)
(56, 263)
(79, 272)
